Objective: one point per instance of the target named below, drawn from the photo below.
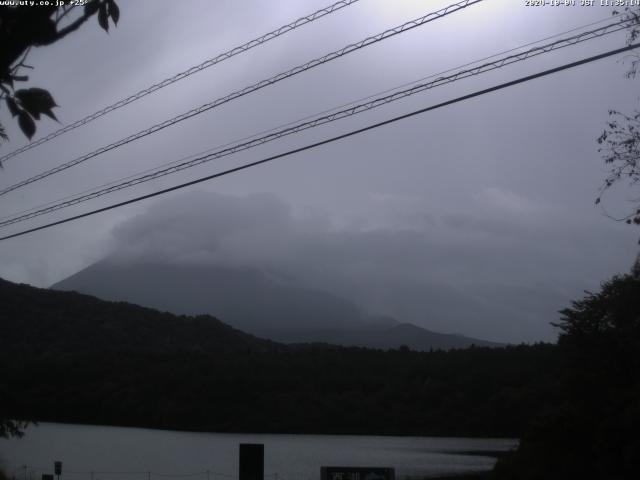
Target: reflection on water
(114, 453)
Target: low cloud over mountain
(417, 270)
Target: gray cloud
(488, 274)
(477, 218)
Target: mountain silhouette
(35, 321)
(263, 303)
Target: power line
(186, 73)
(281, 126)
(320, 120)
(252, 88)
(332, 139)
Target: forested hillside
(73, 358)
(39, 323)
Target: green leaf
(103, 17)
(114, 11)
(12, 106)
(27, 125)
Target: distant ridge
(403, 334)
(37, 321)
(68, 357)
(262, 303)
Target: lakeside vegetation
(74, 358)
(593, 432)
(575, 405)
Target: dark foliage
(9, 428)
(74, 358)
(620, 148)
(620, 141)
(316, 390)
(594, 434)
(25, 27)
(12, 428)
(41, 323)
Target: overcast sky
(478, 218)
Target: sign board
(57, 467)
(357, 473)
(47, 476)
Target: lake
(116, 453)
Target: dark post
(251, 461)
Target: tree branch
(72, 27)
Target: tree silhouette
(24, 27)
(11, 428)
(594, 434)
(620, 141)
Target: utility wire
(186, 73)
(294, 122)
(332, 139)
(321, 120)
(252, 88)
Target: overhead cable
(331, 139)
(293, 122)
(323, 119)
(252, 88)
(186, 73)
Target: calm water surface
(114, 453)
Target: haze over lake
(116, 452)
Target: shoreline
(492, 453)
